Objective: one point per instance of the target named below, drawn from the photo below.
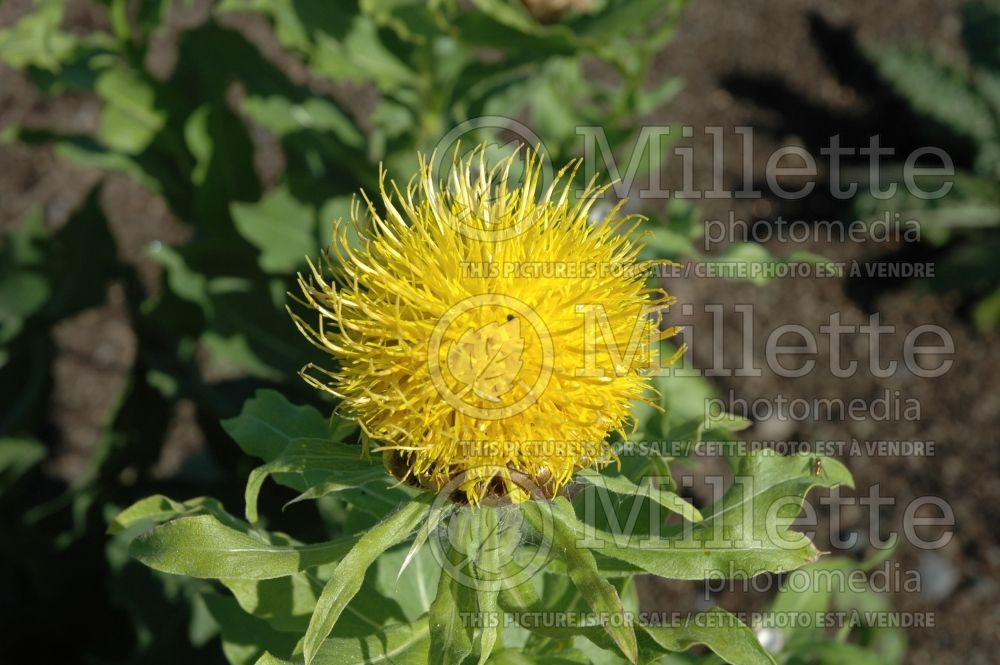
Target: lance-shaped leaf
(202, 546)
(523, 601)
(582, 568)
(157, 509)
(746, 533)
(717, 629)
(451, 632)
(488, 567)
(349, 574)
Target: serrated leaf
(936, 90)
(740, 534)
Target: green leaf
(270, 659)
(936, 90)
(488, 564)
(17, 456)
(36, 40)
(414, 586)
(622, 485)
(157, 509)
(184, 281)
(22, 293)
(829, 652)
(303, 451)
(565, 657)
(746, 533)
(202, 546)
(129, 118)
(362, 56)
(986, 312)
(245, 638)
(269, 422)
(285, 116)
(807, 592)
(281, 228)
(224, 170)
(394, 645)
(720, 631)
(248, 332)
(582, 568)
(451, 632)
(657, 96)
(350, 572)
(305, 464)
(286, 603)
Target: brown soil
(719, 48)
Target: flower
(488, 335)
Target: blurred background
(166, 167)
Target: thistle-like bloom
(489, 335)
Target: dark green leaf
(350, 572)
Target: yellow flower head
(488, 336)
